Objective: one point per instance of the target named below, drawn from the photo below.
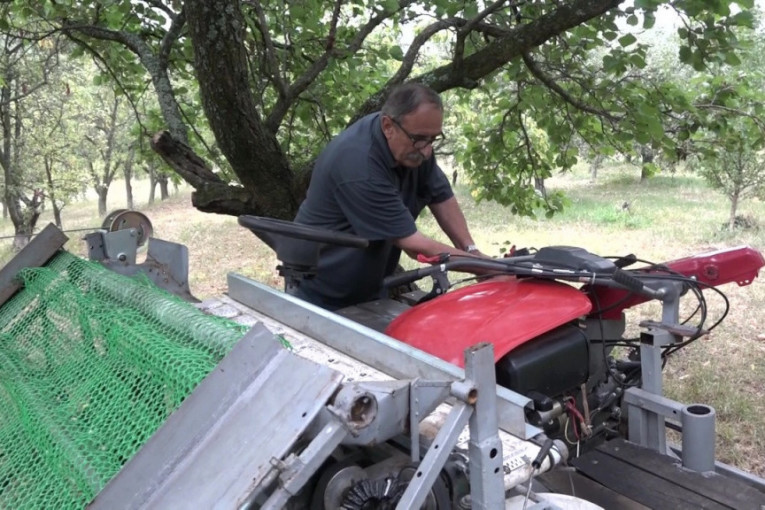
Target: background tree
(725, 131)
(106, 145)
(277, 80)
(54, 134)
(25, 66)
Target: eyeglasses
(419, 141)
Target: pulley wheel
(339, 483)
(107, 223)
(126, 219)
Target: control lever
(634, 284)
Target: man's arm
(418, 243)
(452, 221)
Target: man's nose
(427, 150)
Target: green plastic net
(91, 364)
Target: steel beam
(369, 346)
(35, 254)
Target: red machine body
(504, 311)
(740, 264)
(510, 312)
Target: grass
(669, 216)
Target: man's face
(410, 137)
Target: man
(373, 180)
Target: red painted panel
(740, 264)
(504, 311)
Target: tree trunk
(129, 193)
(595, 163)
(24, 217)
(104, 179)
(647, 154)
(216, 28)
(733, 208)
(152, 182)
(127, 171)
(163, 187)
(52, 192)
(102, 191)
(57, 214)
(539, 186)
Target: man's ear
(387, 126)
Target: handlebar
(526, 266)
(455, 263)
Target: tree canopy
(276, 79)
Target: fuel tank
(505, 311)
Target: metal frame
(234, 441)
(369, 346)
(166, 264)
(650, 428)
(217, 447)
(35, 254)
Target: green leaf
(647, 4)
(638, 61)
(649, 20)
(396, 53)
(732, 59)
(626, 40)
(685, 54)
(632, 20)
(650, 169)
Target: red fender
(504, 311)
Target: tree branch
(414, 49)
(171, 37)
(557, 89)
(462, 33)
(183, 160)
(159, 5)
(304, 81)
(275, 74)
(757, 120)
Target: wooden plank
(40, 250)
(716, 487)
(568, 481)
(641, 486)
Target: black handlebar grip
(625, 261)
(404, 278)
(629, 281)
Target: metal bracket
(166, 264)
(477, 408)
(697, 421)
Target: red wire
(571, 412)
(571, 408)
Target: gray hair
(406, 98)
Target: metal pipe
(698, 422)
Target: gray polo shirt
(357, 187)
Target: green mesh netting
(91, 364)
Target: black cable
(609, 369)
(91, 229)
